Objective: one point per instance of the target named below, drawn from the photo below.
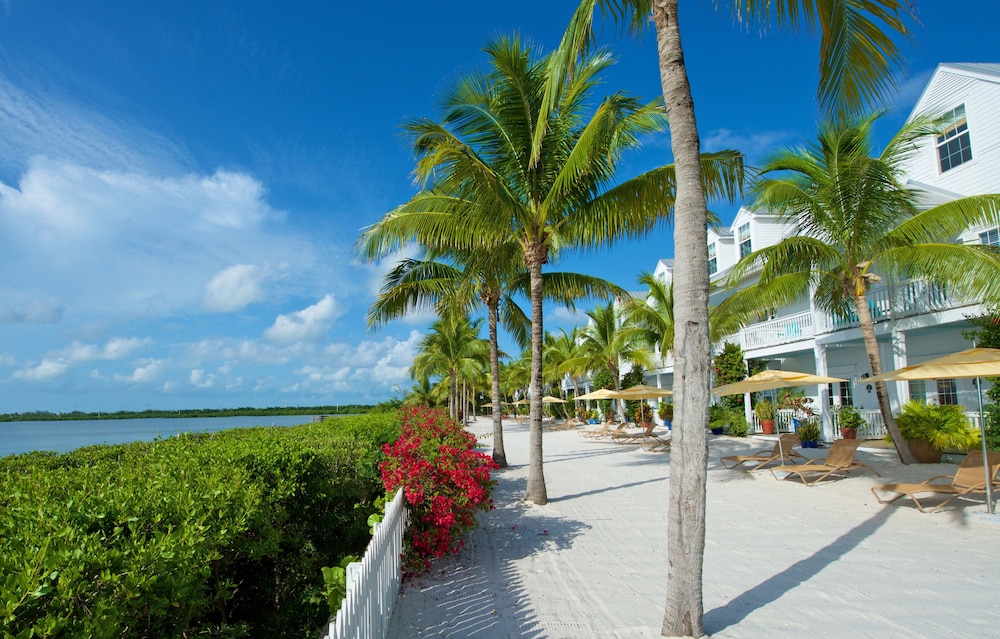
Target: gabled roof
(985, 71)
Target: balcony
(912, 297)
(783, 330)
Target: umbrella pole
(982, 432)
(774, 412)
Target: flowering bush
(445, 481)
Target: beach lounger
(604, 431)
(625, 437)
(969, 479)
(655, 443)
(840, 459)
(782, 452)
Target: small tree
(986, 334)
(730, 367)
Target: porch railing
(779, 331)
(373, 583)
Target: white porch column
(826, 417)
(899, 360)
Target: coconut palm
(606, 341)
(451, 350)
(857, 223)
(565, 353)
(856, 61)
(484, 188)
(473, 279)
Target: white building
(914, 322)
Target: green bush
(942, 426)
(808, 431)
(220, 534)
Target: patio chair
(655, 443)
(625, 437)
(603, 431)
(969, 479)
(783, 451)
(840, 459)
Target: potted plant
(764, 410)
(718, 419)
(800, 404)
(666, 411)
(849, 420)
(929, 429)
(808, 432)
(644, 414)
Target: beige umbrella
(770, 380)
(549, 399)
(974, 362)
(600, 393)
(644, 391)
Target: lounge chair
(654, 442)
(968, 479)
(625, 437)
(840, 459)
(604, 431)
(782, 452)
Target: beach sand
(781, 559)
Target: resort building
(914, 321)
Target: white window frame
(990, 237)
(953, 145)
(713, 262)
(743, 239)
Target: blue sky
(181, 183)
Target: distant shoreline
(45, 416)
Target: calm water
(23, 437)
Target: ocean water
(64, 436)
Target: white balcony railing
(782, 330)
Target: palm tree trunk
(452, 393)
(499, 456)
(881, 393)
(534, 257)
(684, 610)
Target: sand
(781, 559)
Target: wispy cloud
(755, 145)
(311, 324)
(234, 288)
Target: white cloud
(114, 349)
(199, 379)
(148, 371)
(563, 315)
(7, 360)
(48, 369)
(233, 288)
(31, 311)
(310, 324)
(755, 144)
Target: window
(991, 237)
(713, 265)
(846, 394)
(947, 392)
(953, 144)
(743, 238)
(918, 390)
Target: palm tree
(653, 316)
(451, 350)
(485, 188)
(606, 341)
(856, 60)
(857, 223)
(472, 280)
(565, 354)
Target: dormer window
(743, 238)
(953, 144)
(713, 263)
(991, 237)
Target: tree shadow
(798, 573)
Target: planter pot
(810, 444)
(668, 424)
(716, 431)
(923, 452)
(849, 433)
(767, 425)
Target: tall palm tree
(567, 351)
(451, 350)
(606, 341)
(857, 59)
(473, 279)
(653, 315)
(484, 187)
(857, 223)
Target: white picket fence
(373, 583)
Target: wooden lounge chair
(653, 442)
(782, 452)
(840, 459)
(969, 479)
(623, 436)
(607, 430)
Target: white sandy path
(781, 559)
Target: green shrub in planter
(942, 426)
(764, 410)
(666, 411)
(808, 431)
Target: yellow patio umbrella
(973, 362)
(770, 380)
(549, 399)
(600, 393)
(644, 391)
